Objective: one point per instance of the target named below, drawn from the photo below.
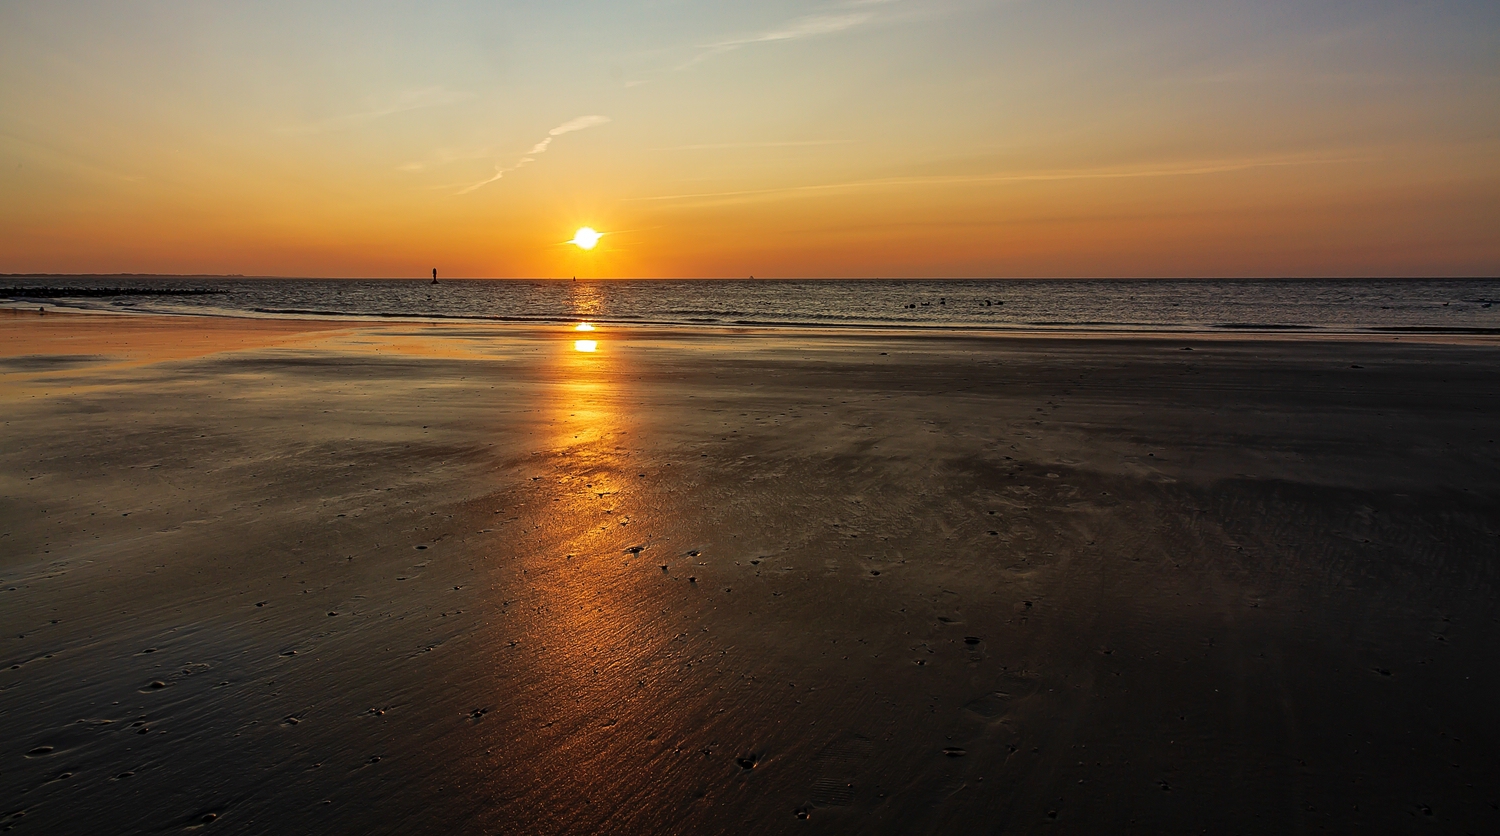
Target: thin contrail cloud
(570, 126)
(807, 26)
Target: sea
(1324, 305)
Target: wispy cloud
(721, 145)
(579, 124)
(402, 102)
(807, 26)
(803, 27)
(1183, 170)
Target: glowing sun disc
(586, 238)
(585, 345)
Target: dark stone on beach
(955, 752)
(748, 762)
(38, 751)
(971, 640)
(156, 683)
(803, 813)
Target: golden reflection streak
(587, 644)
(594, 620)
(586, 299)
(586, 345)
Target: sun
(586, 238)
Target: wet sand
(406, 578)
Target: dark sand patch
(41, 363)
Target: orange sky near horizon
(859, 138)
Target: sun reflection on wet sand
(589, 652)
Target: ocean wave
(1040, 305)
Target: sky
(881, 138)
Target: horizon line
(250, 277)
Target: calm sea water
(1328, 305)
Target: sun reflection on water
(585, 345)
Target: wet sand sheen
(413, 578)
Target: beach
(281, 575)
